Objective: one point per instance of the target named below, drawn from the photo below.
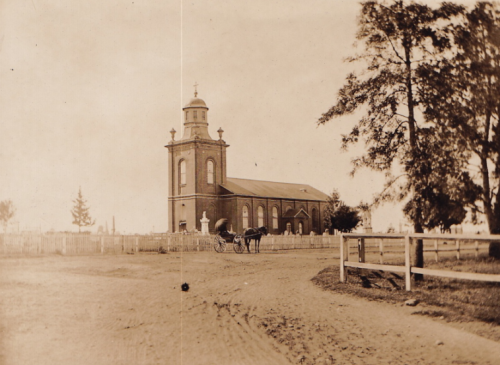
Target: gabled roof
(271, 189)
(296, 213)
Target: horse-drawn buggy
(239, 241)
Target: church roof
(271, 189)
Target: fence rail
(403, 244)
(78, 244)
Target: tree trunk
(418, 259)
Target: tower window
(203, 115)
(260, 216)
(210, 172)
(187, 115)
(245, 217)
(195, 114)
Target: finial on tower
(195, 90)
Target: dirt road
(240, 309)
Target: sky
(90, 90)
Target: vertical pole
(361, 250)
(272, 243)
(102, 244)
(458, 249)
(408, 262)
(476, 247)
(381, 249)
(343, 271)
(197, 244)
(137, 244)
(436, 257)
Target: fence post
(344, 252)
(272, 243)
(361, 250)
(381, 249)
(458, 249)
(476, 247)
(407, 263)
(197, 244)
(137, 244)
(436, 257)
(102, 244)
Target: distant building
(198, 183)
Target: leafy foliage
(399, 39)
(80, 212)
(7, 211)
(340, 216)
(464, 99)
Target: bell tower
(197, 167)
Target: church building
(198, 183)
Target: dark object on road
(185, 287)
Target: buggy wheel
(219, 244)
(238, 244)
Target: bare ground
(240, 309)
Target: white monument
(204, 224)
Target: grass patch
(458, 300)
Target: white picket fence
(79, 244)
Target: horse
(254, 234)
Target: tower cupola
(196, 119)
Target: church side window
(182, 169)
(210, 172)
(275, 218)
(245, 217)
(260, 216)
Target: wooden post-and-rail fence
(441, 243)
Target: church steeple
(196, 118)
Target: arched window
(182, 169)
(210, 172)
(275, 218)
(260, 216)
(245, 217)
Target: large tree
(7, 211)
(465, 99)
(80, 212)
(398, 39)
